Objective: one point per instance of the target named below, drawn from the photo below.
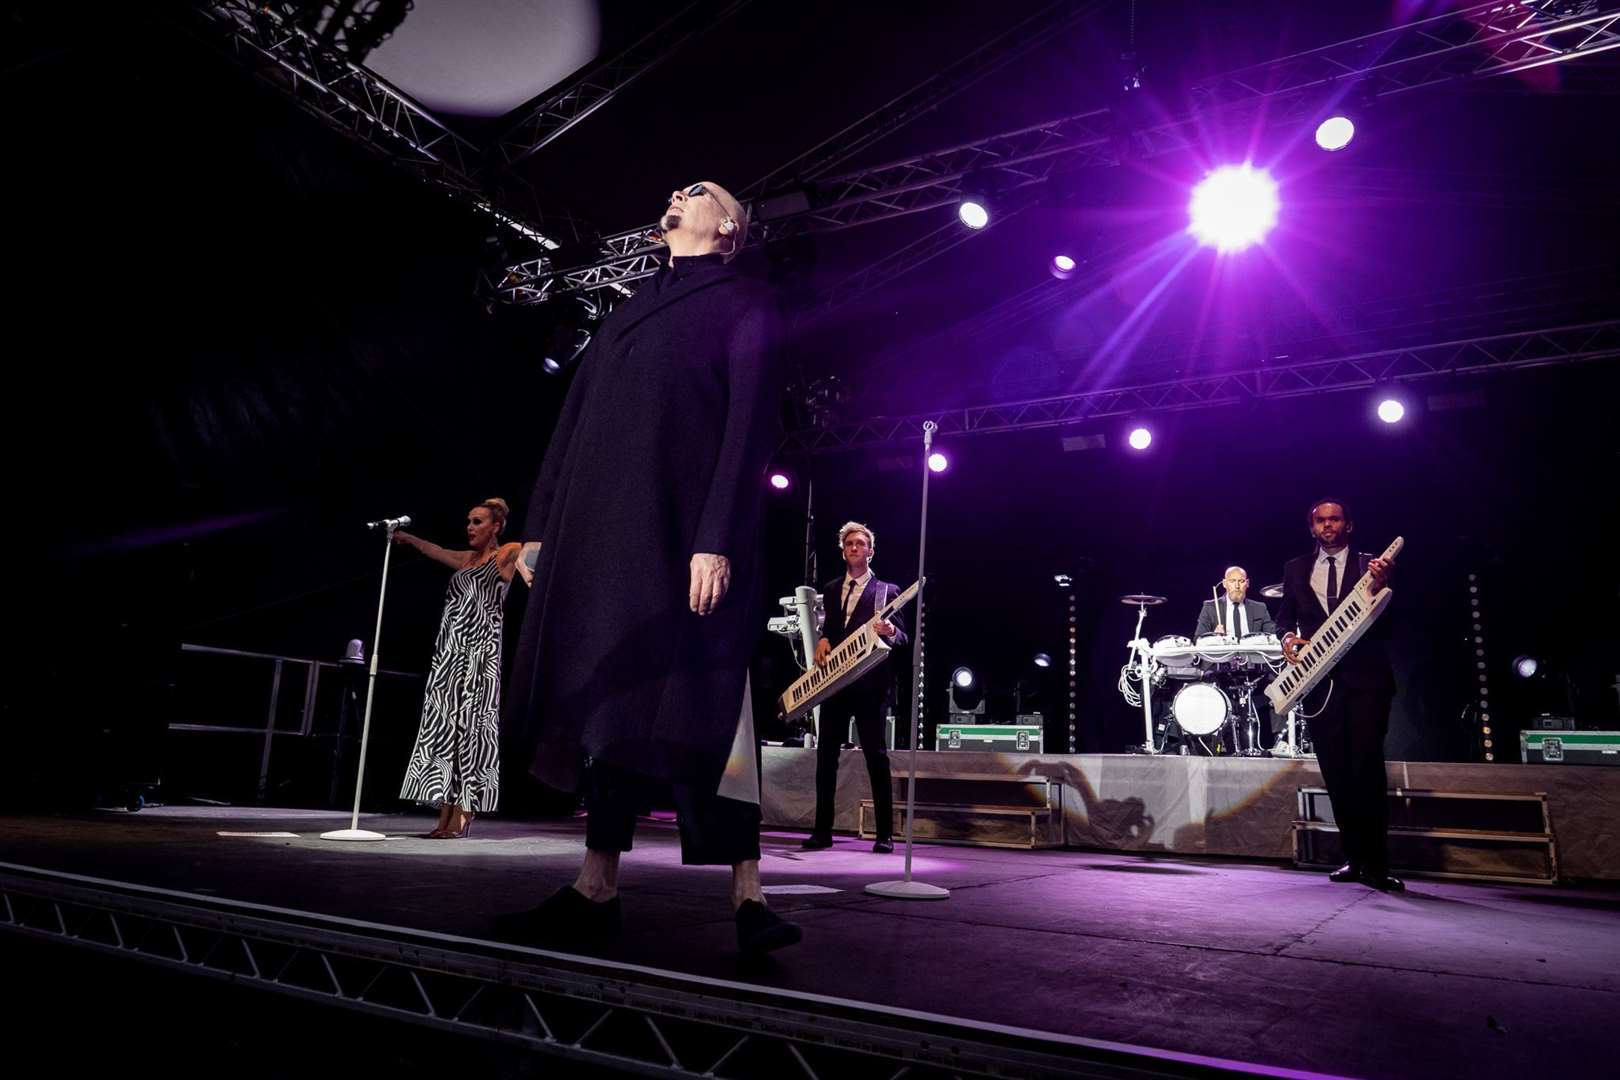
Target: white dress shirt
(1237, 618)
(1319, 575)
(850, 592)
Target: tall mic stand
(354, 831)
(906, 888)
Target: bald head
(1236, 582)
(703, 218)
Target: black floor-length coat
(660, 452)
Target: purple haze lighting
(1233, 208)
(938, 461)
(1391, 411)
(973, 214)
(1335, 133)
(780, 481)
(1140, 438)
(1062, 267)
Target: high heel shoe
(466, 827)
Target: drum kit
(1216, 681)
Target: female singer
(455, 764)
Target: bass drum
(1201, 708)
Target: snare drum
(1172, 643)
(1201, 708)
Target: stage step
(978, 809)
(1475, 836)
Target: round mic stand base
(352, 834)
(908, 890)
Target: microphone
(389, 523)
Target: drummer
(1234, 615)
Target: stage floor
(1250, 961)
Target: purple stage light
(1233, 208)
(1335, 133)
(938, 461)
(973, 214)
(1525, 667)
(1062, 267)
(780, 481)
(1140, 438)
(1391, 410)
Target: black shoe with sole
(814, 842)
(761, 930)
(564, 918)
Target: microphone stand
(354, 831)
(906, 888)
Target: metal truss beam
(554, 114)
(1476, 42)
(1501, 352)
(371, 111)
(573, 1010)
(1036, 30)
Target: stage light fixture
(1043, 660)
(962, 677)
(1391, 410)
(967, 693)
(1140, 438)
(1525, 667)
(1335, 133)
(974, 212)
(1062, 267)
(1233, 208)
(781, 481)
(938, 462)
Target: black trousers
(714, 831)
(1348, 736)
(866, 707)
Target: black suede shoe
(883, 846)
(1382, 881)
(815, 842)
(1348, 873)
(564, 918)
(761, 930)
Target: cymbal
(1273, 592)
(1141, 598)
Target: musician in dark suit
(1349, 711)
(1235, 615)
(851, 600)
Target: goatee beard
(670, 222)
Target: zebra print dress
(457, 754)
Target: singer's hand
(528, 555)
(402, 537)
(711, 577)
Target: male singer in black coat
(646, 576)
(851, 600)
(1348, 731)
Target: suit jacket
(1212, 615)
(835, 629)
(1366, 665)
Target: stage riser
(1211, 806)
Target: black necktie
(849, 594)
(1333, 583)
